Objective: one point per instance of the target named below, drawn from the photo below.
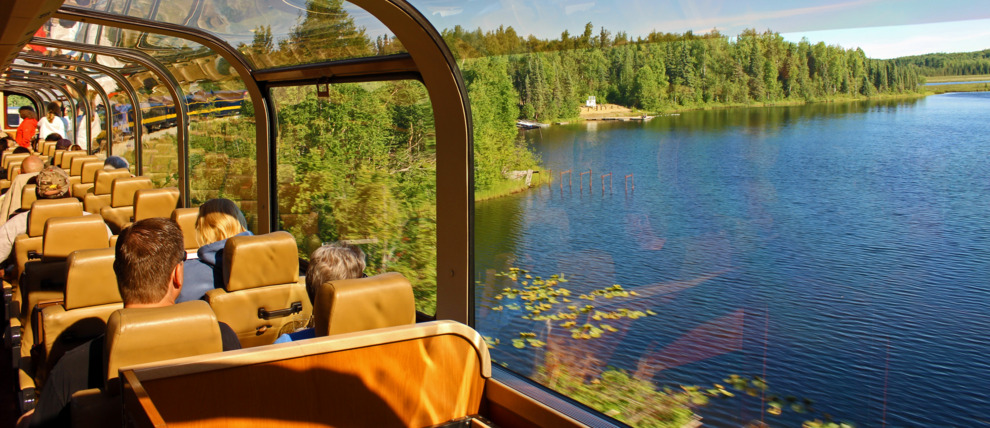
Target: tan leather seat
(186, 218)
(29, 194)
(57, 156)
(150, 203)
(262, 294)
(145, 335)
(41, 211)
(13, 169)
(100, 194)
(351, 305)
(87, 178)
(90, 296)
(47, 148)
(66, 160)
(44, 277)
(75, 168)
(118, 214)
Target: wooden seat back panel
(411, 381)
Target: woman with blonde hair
(218, 220)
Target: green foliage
(630, 400)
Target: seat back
(63, 235)
(121, 209)
(29, 194)
(76, 164)
(144, 335)
(122, 190)
(66, 161)
(91, 295)
(150, 203)
(88, 170)
(100, 195)
(351, 305)
(104, 179)
(44, 209)
(262, 295)
(186, 218)
(13, 169)
(47, 148)
(417, 375)
(11, 158)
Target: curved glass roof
(269, 33)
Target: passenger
(20, 149)
(62, 143)
(30, 167)
(218, 220)
(53, 183)
(148, 265)
(82, 134)
(52, 122)
(330, 262)
(74, 147)
(28, 127)
(115, 162)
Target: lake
(839, 250)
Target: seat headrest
(28, 196)
(44, 209)
(75, 166)
(258, 261)
(186, 218)
(351, 305)
(8, 158)
(150, 203)
(66, 160)
(104, 179)
(13, 169)
(145, 335)
(90, 280)
(88, 172)
(63, 235)
(122, 190)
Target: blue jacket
(204, 274)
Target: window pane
(751, 227)
(360, 167)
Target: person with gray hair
(331, 262)
(115, 162)
(10, 202)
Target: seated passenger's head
(20, 149)
(53, 183)
(27, 112)
(62, 144)
(333, 262)
(54, 136)
(148, 263)
(32, 164)
(115, 162)
(218, 219)
(75, 147)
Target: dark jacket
(204, 274)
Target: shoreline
(511, 187)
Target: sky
(882, 28)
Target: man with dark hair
(148, 265)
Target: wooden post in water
(609, 183)
(630, 178)
(568, 172)
(581, 181)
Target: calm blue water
(955, 83)
(842, 250)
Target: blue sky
(883, 28)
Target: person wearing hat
(53, 183)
